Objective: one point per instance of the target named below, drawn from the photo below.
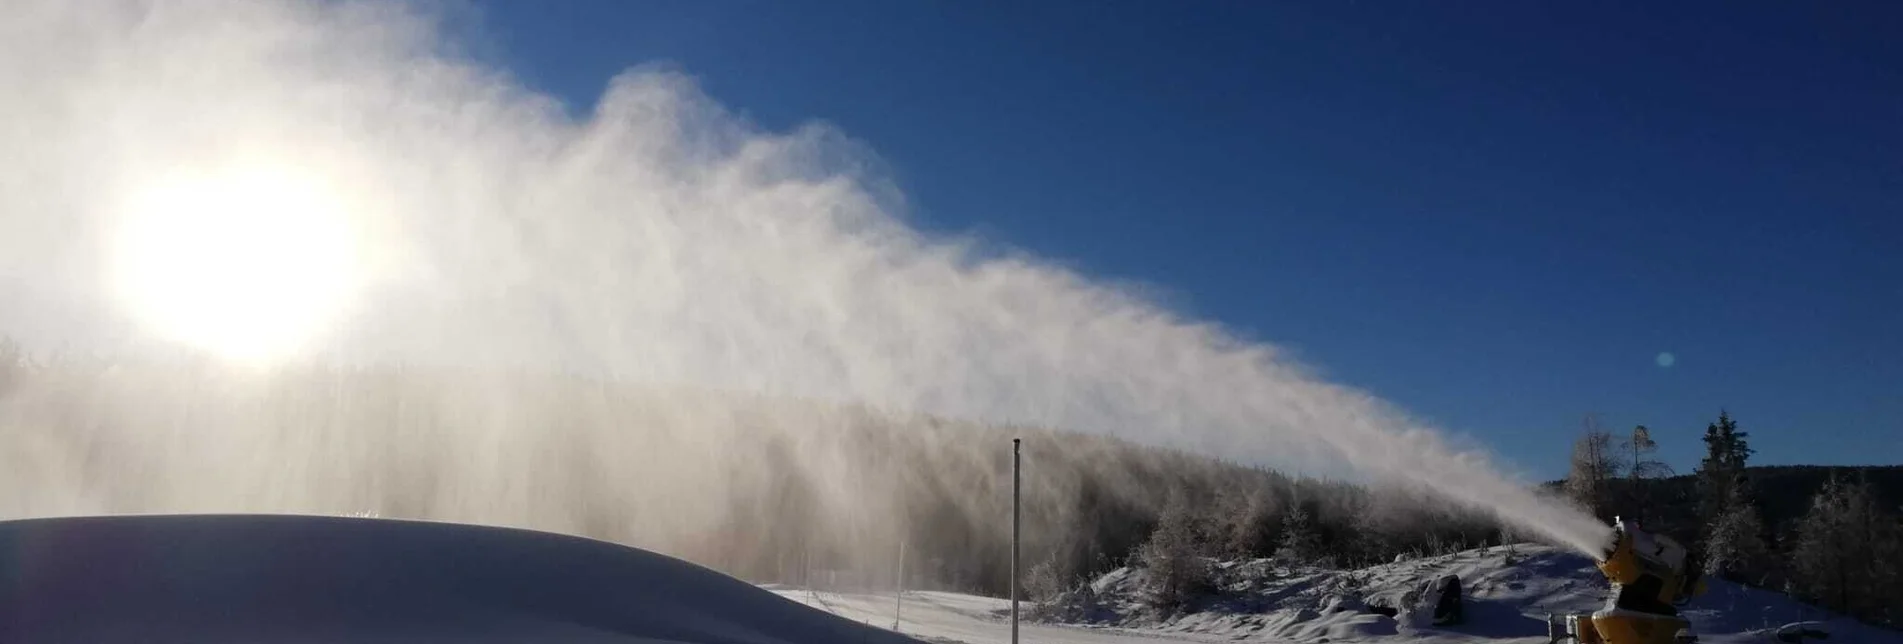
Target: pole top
(1015, 442)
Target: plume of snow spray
(276, 183)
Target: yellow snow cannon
(1651, 575)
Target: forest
(1828, 535)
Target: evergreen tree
(1250, 526)
(1300, 540)
(1176, 573)
(1841, 559)
(1721, 478)
(1888, 545)
(1735, 548)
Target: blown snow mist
(276, 183)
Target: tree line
(1830, 536)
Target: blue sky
(1497, 216)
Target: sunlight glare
(248, 264)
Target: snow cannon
(1651, 575)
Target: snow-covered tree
(1594, 464)
(1300, 542)
(1250, 525)
(1045, 580)
(1735, 548)
(1844, 553)
(1176, 573)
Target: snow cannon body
(1651, 575)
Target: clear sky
(1497, 214)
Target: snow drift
(272, 578)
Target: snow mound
(1508, 592)
(261, 579)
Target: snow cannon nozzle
(1621, 533)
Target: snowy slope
(1508, 595)
(271, 579)
(1508, 591)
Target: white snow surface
(1508, 593)
(266, 579)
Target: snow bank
(264, 579)
(1508, 593)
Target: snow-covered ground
(279, 579)
(267, 579)
(1508, 595)
(955, 618)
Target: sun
(249, 264)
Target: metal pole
(1015, 487)
(898, 604)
